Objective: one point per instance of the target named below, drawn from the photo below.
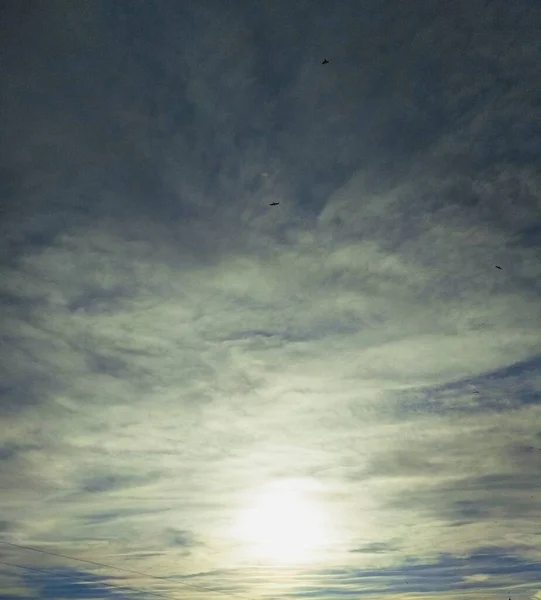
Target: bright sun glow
(283, 526)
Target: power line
(105, 566)
(80, 580)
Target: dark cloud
(445, 573)
(14, 450)
(184, 539)
(26, 390)
(106, 517)
(376, 548)
(476, 499)
(69, 583)
(507, 389)
(17, 302)
(5, 526)
(111, 482)
(99, 300)
(110, 365)
(473, 512)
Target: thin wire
(98, 564)
(79, 580)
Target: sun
(282, 524)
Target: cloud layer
(171, 344)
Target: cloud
(170, 345)
(376, 548)
(476, 577)
(68, 583)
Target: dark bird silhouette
(274, 204)
(325, 62)
(497, 266)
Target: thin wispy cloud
(347, 372)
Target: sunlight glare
(283, 525)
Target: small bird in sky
(274, 204)
(497, 266)
(325, 62)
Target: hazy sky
(336, 397)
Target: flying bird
(497, 266)
(274, 204)
(325, 62)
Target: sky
(338, 396)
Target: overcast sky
(335, 397)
